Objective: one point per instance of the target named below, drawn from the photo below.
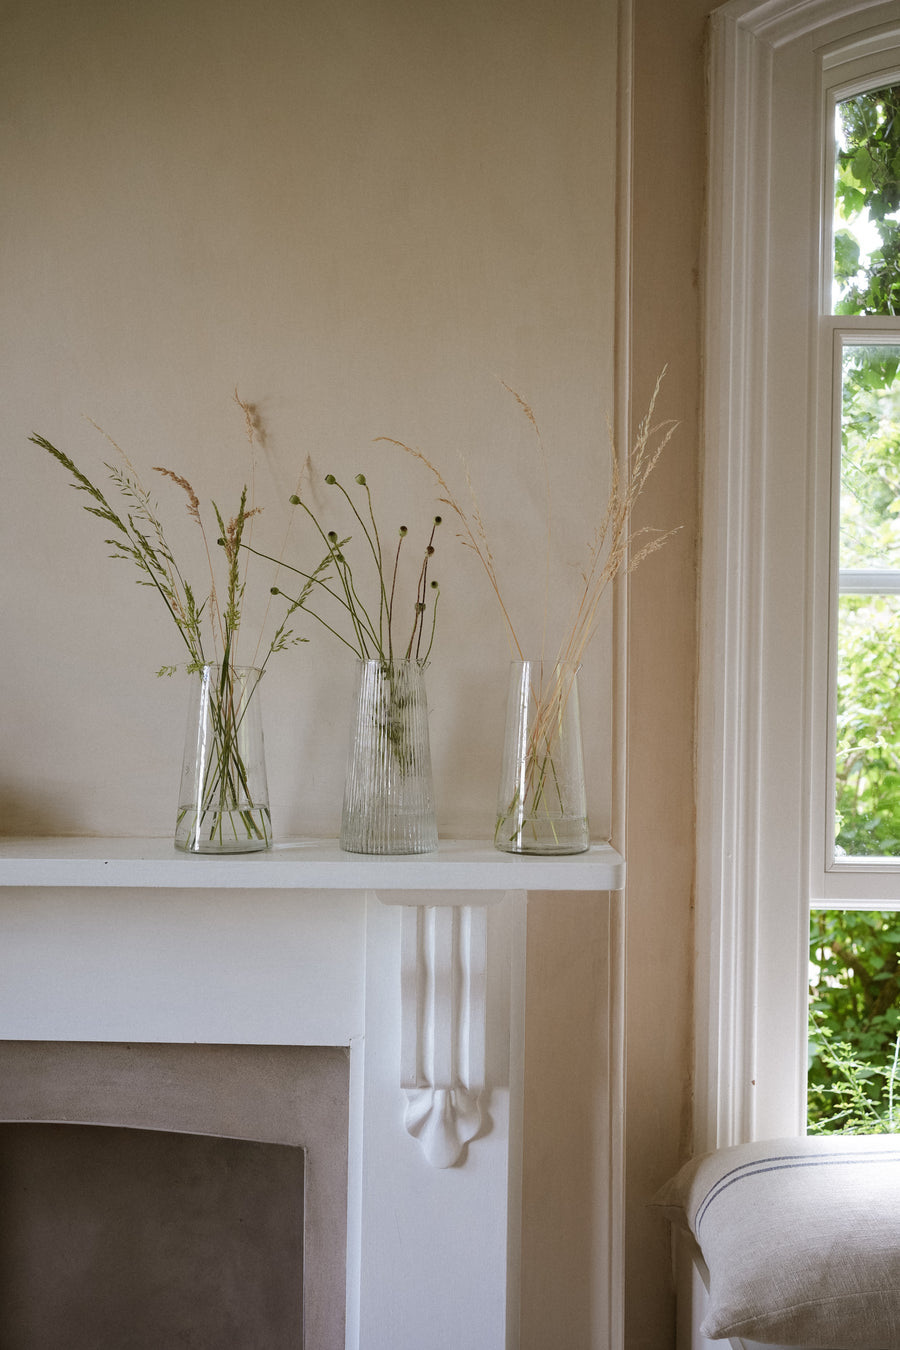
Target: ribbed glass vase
(223, 802)
(542, 805)
(388, 795)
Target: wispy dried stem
(138, 536)
(471, 533)
(616, 546)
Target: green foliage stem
(352, 621)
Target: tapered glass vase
(223, 802)
(388, 794)
(542, 805)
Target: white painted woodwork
(869, 581)
(417, 965)
(443, 969)
(765, 568)
(765, 572)
(303, 864)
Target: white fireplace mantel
(304, 864)
(416, 964)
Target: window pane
(867, 768)
(870, 457)
(866, 203)
(867, 760)
(854, 1023)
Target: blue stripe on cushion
(784, 1162)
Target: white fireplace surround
(415, 964)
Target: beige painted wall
(568, 961)
(361, 214)
(666, 280)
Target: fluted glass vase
(388, 795)
(223, 803)
(542, 805)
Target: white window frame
(767, 559)
(848, 883)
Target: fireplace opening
(186, 1196)
(121, 1237)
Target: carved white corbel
(443, 964)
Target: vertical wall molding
(729, 710)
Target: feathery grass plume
(538, 804)
(138, 538)
(615, 547)
(209, 630)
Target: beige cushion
(801, 1238)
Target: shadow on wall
(30, 813)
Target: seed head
(361, 479)
(330, 479)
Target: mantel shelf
(303, 864)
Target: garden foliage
(855, 956)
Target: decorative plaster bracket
(443, 966)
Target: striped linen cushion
(801, 1238)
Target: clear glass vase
(388, 795)
(223, 803)
(542, 806)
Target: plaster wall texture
(360, 216)
(669, 158)
(363, 218)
